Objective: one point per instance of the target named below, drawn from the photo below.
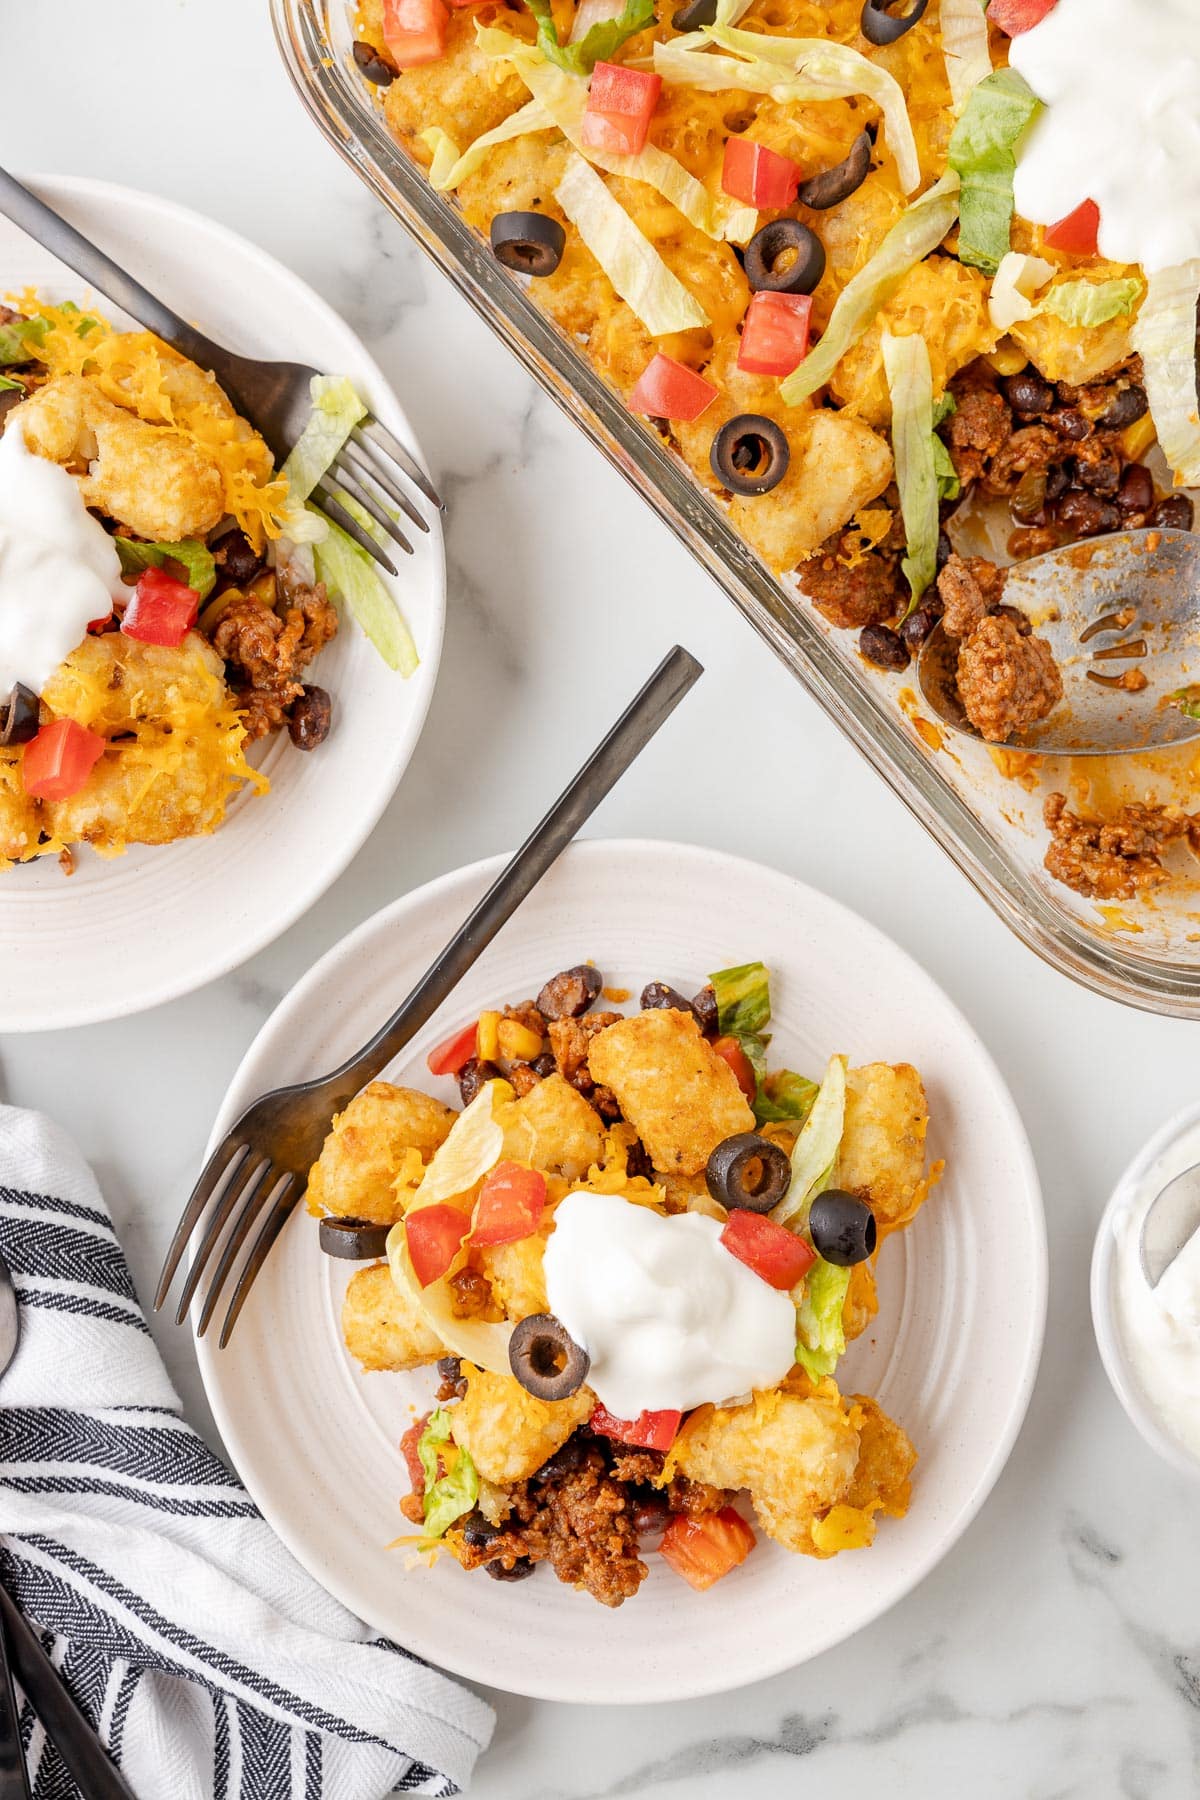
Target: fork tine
(255, 1195)
(221, 1215)
(217, 1166)
(333, 509)
(343, 478)
(383, 478)
(382, 437)
(281, 1211)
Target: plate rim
(74, 1010)
(1037, 1289)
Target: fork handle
(45, 226)
(649, 709)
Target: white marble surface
(1056, 1652)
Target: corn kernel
(1137, 438)
(517, 1042)
(487, 1037)
(1008, 358)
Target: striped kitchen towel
(211, 1665)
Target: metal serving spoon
(1172, 1221)
(1125, 606)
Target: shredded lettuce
(983, 153)
(820, 1329)
(597, 44)
(792, 69)
(6, 382)
(19, 341)
(1188, 701)
(784, 1095)
(919, 230)
(349, 573)
(949, 486)
(450, 165)
(336, 410)
(815, 1151)
(194, 556)
(909, 376)
(1016, 283)
(743, 998)
(1164, 336)
(629, 259)
(454, 1494)
(965, 47)
(563, 101)
(1091, 303)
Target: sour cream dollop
(669, 1318)
(1159, 1328)
(58, 567)
(1121, 84)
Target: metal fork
(274, 396)
(264, 1159)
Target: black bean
(569, 994)
(21, 716)
(235, 557)
(1136, 492)
(1175, 513)
(1071, 423)
(883, 647)
(519, 1570)
(1027, 393)
(1085, 515)
(945, 550)
(478, 1531)
(449, 1367)
(917, 627)
(637, 1160)
(374, 64)
(544, 1065)
(1019, 619)
(1102, 476)
(1028, 504)
(658, 994)
(1126, 409)
(472, 1076)
(565, 1460)
(1057, 482)
(704, 1005)
(309, 718)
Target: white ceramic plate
(123, 935)
(952, 1354)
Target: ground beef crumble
(969, 587)
(1007, 680)
(266, 652)
(582, 1513)
(1117, 858)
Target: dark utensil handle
(14, 1777)
(44, 225)
(81, 1750)
(675, 675)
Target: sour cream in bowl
(1149, 1339)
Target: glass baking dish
(1147, 956)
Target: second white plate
(952, 1354)
(120, 936)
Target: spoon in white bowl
(1171, 1222)
(1120, 614)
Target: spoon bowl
(1171, 1222)
(1122, 616)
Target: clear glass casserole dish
(1146, 955)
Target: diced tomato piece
(435, 1235)
(730, 1051)
(649, 1431)
(620, 103)
(162, 610)
(667, 389)
(408, 1450)
(771, 1250)
(448, 1057)
(414, 30)
(759, 176)
(1078, 233)
(58, 761)
(774, 333)
(510, 1204)
(704, 1549)
(1016, 16)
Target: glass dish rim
(336, 99)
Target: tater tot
(356, 1170)
(508, 1432)
(681, 1097)
(380, 1327)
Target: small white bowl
(1159, 1162)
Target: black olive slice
(842, 1228)
(833, 186)
(879, 26)
(748, 1173)
(19, 720)
(545, 1358)
(529, 242)
(355, 1240)
(765, 268)
(693, 14)
(750, 454)
(372, 63)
